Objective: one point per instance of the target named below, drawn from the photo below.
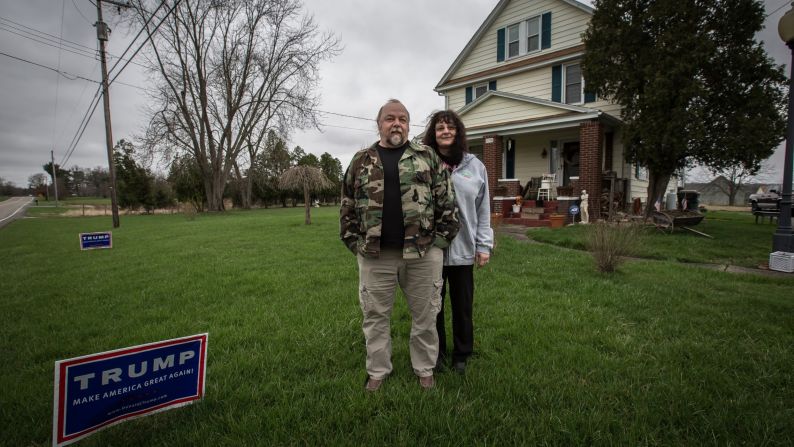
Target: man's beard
(396, 139)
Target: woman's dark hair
(446, 116)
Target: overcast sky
(391, 50)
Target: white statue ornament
(584, 206)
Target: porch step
(535, 216)
(526, 222)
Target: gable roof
(484, 27)
(526, 99)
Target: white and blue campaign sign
(573, 210)
(99, 390)
(90, 241)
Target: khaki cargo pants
(420, 281)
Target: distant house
(716, 192)
(519, 89)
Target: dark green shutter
(492, 85)
(469, 95)
(556, 83)
(500, 45)
(545, 31)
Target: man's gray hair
(392, 101)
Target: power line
(78, 52)
(41, 34)
(81, 13)
(49, 39)
(67, 75)
(58, 80)
(787, 2)
(83, 125)
(357, 117)
(60, 72)
(350, 128)
(148, 36)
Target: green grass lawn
(656, 354)
(738, 240)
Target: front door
(570, 162)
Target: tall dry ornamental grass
(610, 243)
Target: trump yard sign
(98, 390)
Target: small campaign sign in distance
(573, 210)
(96, 391)
(92, 241)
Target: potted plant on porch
(517, 205)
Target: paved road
(13, 208)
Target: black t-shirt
(392, 233)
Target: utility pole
(54, 176)
(102, 32)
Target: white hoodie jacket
(474, 212)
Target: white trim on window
(522, 40)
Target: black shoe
(460, 367)
(440, 367)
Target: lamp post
(783, 239)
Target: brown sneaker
(373, 385)
(427, 382)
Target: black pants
(460, 279)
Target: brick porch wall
(492, 159)
(590, 143)
(513, 187)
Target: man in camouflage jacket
(398, 212)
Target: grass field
(47, 208)
(738, 240)
(657, 354)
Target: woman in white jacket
(473, 245)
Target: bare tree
(306, 178)
(226, 71)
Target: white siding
(498, 110)
(535, 84)
(567, 25)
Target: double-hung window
(533, 34)
(573, 84)
(513, 40)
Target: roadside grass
(47, 208)
(738, 240)
(655, 354)
(2, 198)
(78, 201)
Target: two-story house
(518, 87)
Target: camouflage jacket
(428, 202)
